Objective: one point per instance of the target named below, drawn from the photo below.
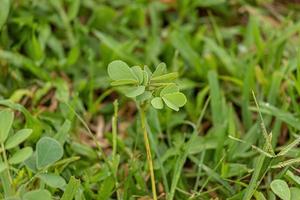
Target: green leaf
(295, 193)
(166, 77)
(146, 78)
(37, 195)
(160, 70)
(21, 155)
(281, 189)
(31, 162)
(157, 103)
(53, 180)
(172, 88)
(6, 120)
(133, 91)
(17, 138)
(138, 72)
(119, 70)
(3, 167)
(174, 100)
(123, 82)
(4, 11)
(144, 97)
(71, 189)
(48, 152)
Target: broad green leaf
(172, 88)
(17, 138)
(119, 70)
(4, 11)
(3, 167)
(157, 103)
(48, 152)
(134, 91)
(123, 82)
(160, 70)
(71, 189)
(295, 193)
(281, 189)
(174, 100)
(138, 72)
(166, 77)
(37, 195)
(6, 120)
(53, 180)
(21, 155)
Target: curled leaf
(157, 103)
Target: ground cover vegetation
(166, 99)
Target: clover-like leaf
(132, 91)
(53, 180)
(174, 100)
(119, 70)
(48, 151)
(37, 195)
(161, 69)
(17, 138)
(166, 77)
(281, 189)
(6, 120)
(138, 72)
(172, 88)
(157, 103)
(21, 155)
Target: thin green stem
(114, 129)
(5, 176)
(148, 150)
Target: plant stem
(5, 176)
(148, 150)
(114, 129)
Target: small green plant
(48, 151)
(12, 154)
(144, 87)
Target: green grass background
(53, 52)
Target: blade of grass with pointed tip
(71, 189)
